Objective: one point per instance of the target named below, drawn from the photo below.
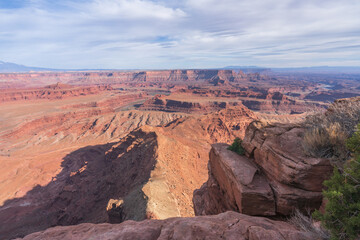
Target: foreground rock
(240, 183)
(296, 179)
(278, 151)
(274, 178)
(229, 225)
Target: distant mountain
(7, 67)
(248, 69)
(320, 69)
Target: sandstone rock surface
(242, 186)
(258, 99)
(153, 170)
(277, 150)
(51, 92)
(229, 225)
(116, 77)
(162, 103)
(274, 178)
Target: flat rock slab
(229, 225)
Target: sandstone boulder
(277, 150)
(239, 181)
(289, 198)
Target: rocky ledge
(229, 225)
(273, 178)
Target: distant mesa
(59, 86)
(51, 92)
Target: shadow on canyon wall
(90, 177)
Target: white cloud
(181, 34)
(135, 9)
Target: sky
(165, 34)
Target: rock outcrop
(229, 225)
(115, 102)
(51, 92)
(297, 180)
(120, 77)
(277, 150)
(257, 99)
(237, 182)
(274, 178)
(329, 96)
(162, 103)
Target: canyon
(143, 154)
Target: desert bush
(326, 134)
(342, 211)
(305, 223)
(346, 113)
(326, 140)
(236, 147)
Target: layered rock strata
(274, 178)
(121, 77)
(240, 183)
(51, 92)
(161, 103)
(150, 173)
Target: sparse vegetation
(326, 134)
(342, 213)
(236, 147)
(334, 135)
(353, 143)
(305, 223)
(326, 141)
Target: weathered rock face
(274, 178)
(329, 96)
(161, 103)
(81, 191)
(113, 102)
(56, 91)
(240, 182)
(296, 179)
(258, 99)
(278, 106)
(229, 225)
(119, 77)
(277, 150)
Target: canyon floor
(110, 147)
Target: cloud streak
(180, 34)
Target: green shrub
(353, 143)
(342, 212)
(236, 147)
